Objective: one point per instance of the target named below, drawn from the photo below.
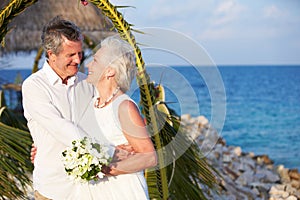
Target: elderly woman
(111, 72)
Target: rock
(291, 198)
(237, 151)
(295, 184)
(245, 178)
(251, 155)
(263, 159)
(221, 141)
(283, 173)
(246, 164)
(280, 187)
(203, 121)
(185, 117)
(294, 174)
(226, 157)
(275, 191)
(285, 195)
(233, 175)
(290, 189)
(269, 176)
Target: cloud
(273, 12)
(224, 21)
(216, 34)
(226, 12)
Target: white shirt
(53, 111)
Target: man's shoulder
(34, 77)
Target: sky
(217, 32)
(248, 32)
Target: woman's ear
(110, 72)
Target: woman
(111, 72)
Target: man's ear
(51, 55)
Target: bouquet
(84, 159)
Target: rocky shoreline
(244, 175)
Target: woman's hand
(122, 152)
(32, 153)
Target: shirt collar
(54, 78)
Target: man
(56, 102)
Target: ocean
(254, 107)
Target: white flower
(84, 159)
(100, 175)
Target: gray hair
(56, 30)
(121, 57)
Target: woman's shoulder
(123, 98)
(126, 103)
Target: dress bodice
(109, 123)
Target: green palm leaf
(15, 142)
(190, 171)
(14, 8)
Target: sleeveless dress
(122, 187)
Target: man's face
(66, 63)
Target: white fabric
(51, 109)
(128, 186)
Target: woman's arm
(134, 129)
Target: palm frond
(124, 7)
(188, 170)
(38, 56)
(15, 142)
(137, 31)
(14, 8)
(14, 162)
(2, 99)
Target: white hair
(120, 57)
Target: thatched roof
(27, 26)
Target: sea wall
(244, 175)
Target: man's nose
(78, 58)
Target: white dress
(122, 187)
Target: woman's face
(97, 66)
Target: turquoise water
(262, 104)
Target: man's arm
(121, 152)
(39, 106)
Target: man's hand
(122, 152)
(32, 153)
